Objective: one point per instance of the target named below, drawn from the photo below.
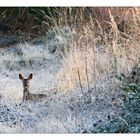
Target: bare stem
(80, 83)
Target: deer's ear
(30, 76)
(21, 77)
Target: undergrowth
(88, 72)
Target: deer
(27, 96)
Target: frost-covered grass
(60, 113)
(77, 71)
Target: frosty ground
(68, 108)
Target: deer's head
(25, 81)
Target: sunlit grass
(85, 63)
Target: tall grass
(95, 51)
(106, 53)
(87, 67)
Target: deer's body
(26, 93)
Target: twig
(89, 95)
(87, 74)
(80, 83)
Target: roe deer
(26, 94)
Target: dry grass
(100, 55)
(90, 61)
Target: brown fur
(26, 94)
